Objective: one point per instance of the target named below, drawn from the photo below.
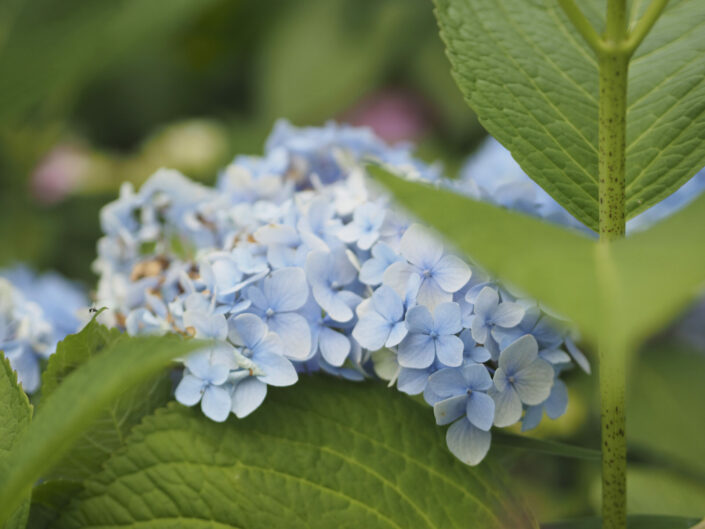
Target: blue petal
(278, 371)
(420, 246)
(519, 354)
(577, 355)
(557, 401)
(247, 396)
(397, 276)
(479, 329)
(419, 320)
(476, 377)
(332, 303)
(250, 330)
(533, 383)
(412, 381)
(451, 273)
(448, 410)
(216, 403)
(397, 334)
(416, 351)
(508, 314)
(486, 302)
(480, 410)
(189, 390)
(388, 304)
(449, 350)
(371, 331)
(431, 294)
(532, 417)
(507, 406)
(286, 289)
(448, 382)
(335, 347)
(294, 331)
(446, 317)
(467, 443)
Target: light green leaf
(533, 83)
(15, 417)
(660, 271)
(635, 521)
(550, 263)
(576, 276)
(76, 403)
(325, 454)
(666, 413)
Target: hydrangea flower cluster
(293, 264)
(36, 312)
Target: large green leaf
(109, 430)
(636, 280)
(325, 454)
(15, 417)
(666, 412)
(544, 446)
(635, 521)
(533, 83)
(76, 403)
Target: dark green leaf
(15, 417)
(635, 521)
(325, 454)
(533, 83)
(76, 403)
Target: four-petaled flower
(281, 294)
(328, 273)
(261, 362)
(521, 378)
(365, 227)
(383, 323)
(440, 275)
(432, 336)
(489, 313)
(206, 372)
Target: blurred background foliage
(93, 93)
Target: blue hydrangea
(293, 264)
(36, 312)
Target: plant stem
(613, 64)
(612, 119)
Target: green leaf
(533, 83)
(666, 413)
(109, 431)
(576, 276)
(76, 403)
(49, 499)
(672, 251)
(552, 264)
(553, 448)
(635, 521)
(16, 414)
(653, 490)
(327, 453)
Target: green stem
(582, 24)
(612, 119)
(613, 65)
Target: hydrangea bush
(296, 262)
